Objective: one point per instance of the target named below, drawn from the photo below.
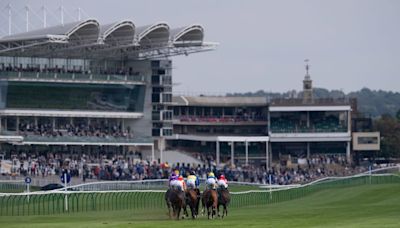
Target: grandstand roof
(122, 39)
(157, 33)
(90, 28)
(189, 35)
(122, 32)
(219, 101)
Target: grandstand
(88, 88)
(233, 130)
(259, 132)
(105, 91)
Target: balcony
(324, 126)
(227, 120)
(66, 77)
(28, 139)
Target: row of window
(159, 80)
(161, 98)
(162, 115)
(161, 132)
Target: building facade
(85, 88)
(256, 131)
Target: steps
(173, 157)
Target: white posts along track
(106, 196)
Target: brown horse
(175, 200)
(192, 199)
(224, 198)
(210, 201)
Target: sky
(351, 44)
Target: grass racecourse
(361, 206)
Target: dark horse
(224, 198)
(210, 201)
(175, 200)
(192, 199)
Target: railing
(275, 129)
(86, 139)
(12, 186)
(226, 119)
(315, 102)
(63, 201)
(78, 77)
(78, 139)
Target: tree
(389, 127)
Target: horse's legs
(185, 210)
(178, 212)
(169, 210)
(174, 210)
(214, 211)
(203, 207)
(193, 210)
(184, 213)
(197, 207)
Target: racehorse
(210, 201)
(175, 199)
(224, 198)
(192, 199)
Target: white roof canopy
(149, 35)
(122, 32)
(189, 35)
(123, 39)
(88, 29)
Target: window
(65, 96)
(166, 97)
(155, 64)
(167, 115)
(155, 98)
(155, 116)
(167, 132)
(155, 132)
(167, 80)
(367, 140)
(158, 89)
(155, 80)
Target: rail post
(65, 190)
(370, 174)
(270, 187)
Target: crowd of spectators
(134, 167)
(221, 119)
(64, 69)
(93, 129)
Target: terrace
(37, 74)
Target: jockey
(193, 181)
(173, 179)
(222, 182)
(181, 183)
(211, 181)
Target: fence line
(18, 185)
(57, 202)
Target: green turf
(361, 206)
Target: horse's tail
(214, 197)
(227, 197)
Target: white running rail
(272, 188)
